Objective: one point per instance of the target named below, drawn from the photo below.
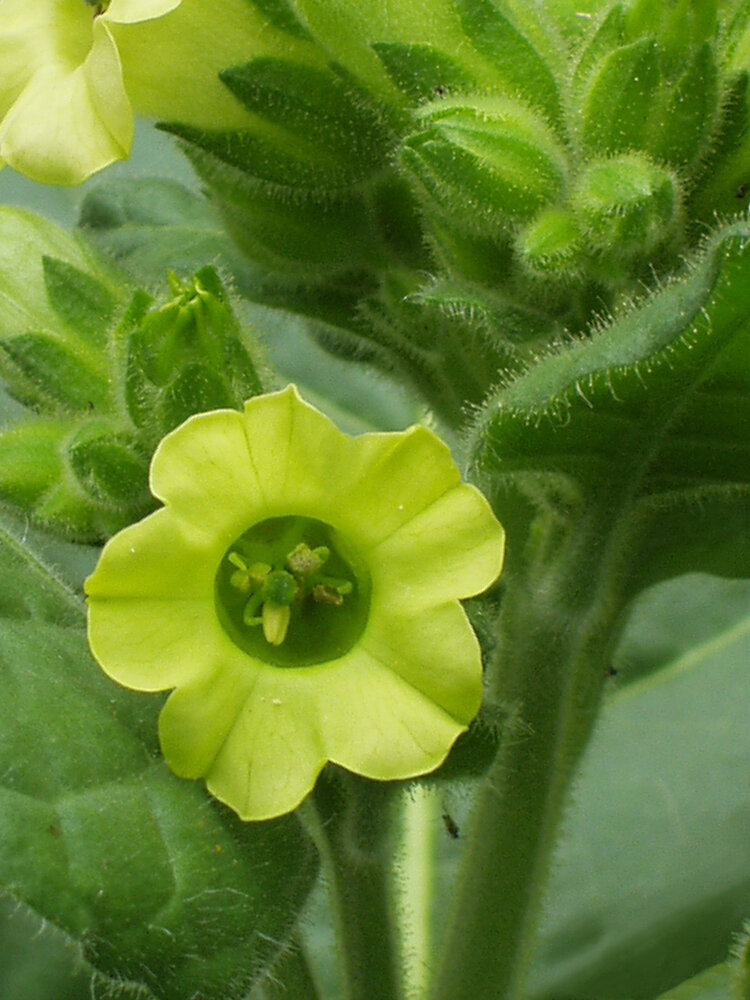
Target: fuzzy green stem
(555, 639)
(415, 884)
(352, 831)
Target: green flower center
(290, 591)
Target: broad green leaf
(154, 882)
(151, 224)
(713, 984)
(651, 882)
(37, 962)
(668, 620)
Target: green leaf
(651, 882)
(37, 960)
(713, 984)
(668, 620)
(152, 224)
(644, 423)
(154, 882)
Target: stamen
(273, 577)
(275, 622)
(305, 561)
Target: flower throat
(290, 592)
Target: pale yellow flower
(63, 107)
(299, 591)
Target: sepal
(551, 245)
(648, 82)
(617, 106)
(186, 356)
(81, 300)
(325, 132)
(486, 164)
(524, 56)
(44, 372)
(686, 24)
(685, 114)
(109, 466)
(283, 16)
(422, 72)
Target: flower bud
(487, 165)
(186, 356)
(75, 344)
(551, 244)
(626, 207)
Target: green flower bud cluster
(517, 159)
(186, 356)
(104, 372)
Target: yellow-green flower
(300, 589)
(63, 107)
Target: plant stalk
(353, 834)
(556, 632)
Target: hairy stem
(556, 633)
(352, 831)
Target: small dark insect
(54, 831)
(742, 190)
(450, 825)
